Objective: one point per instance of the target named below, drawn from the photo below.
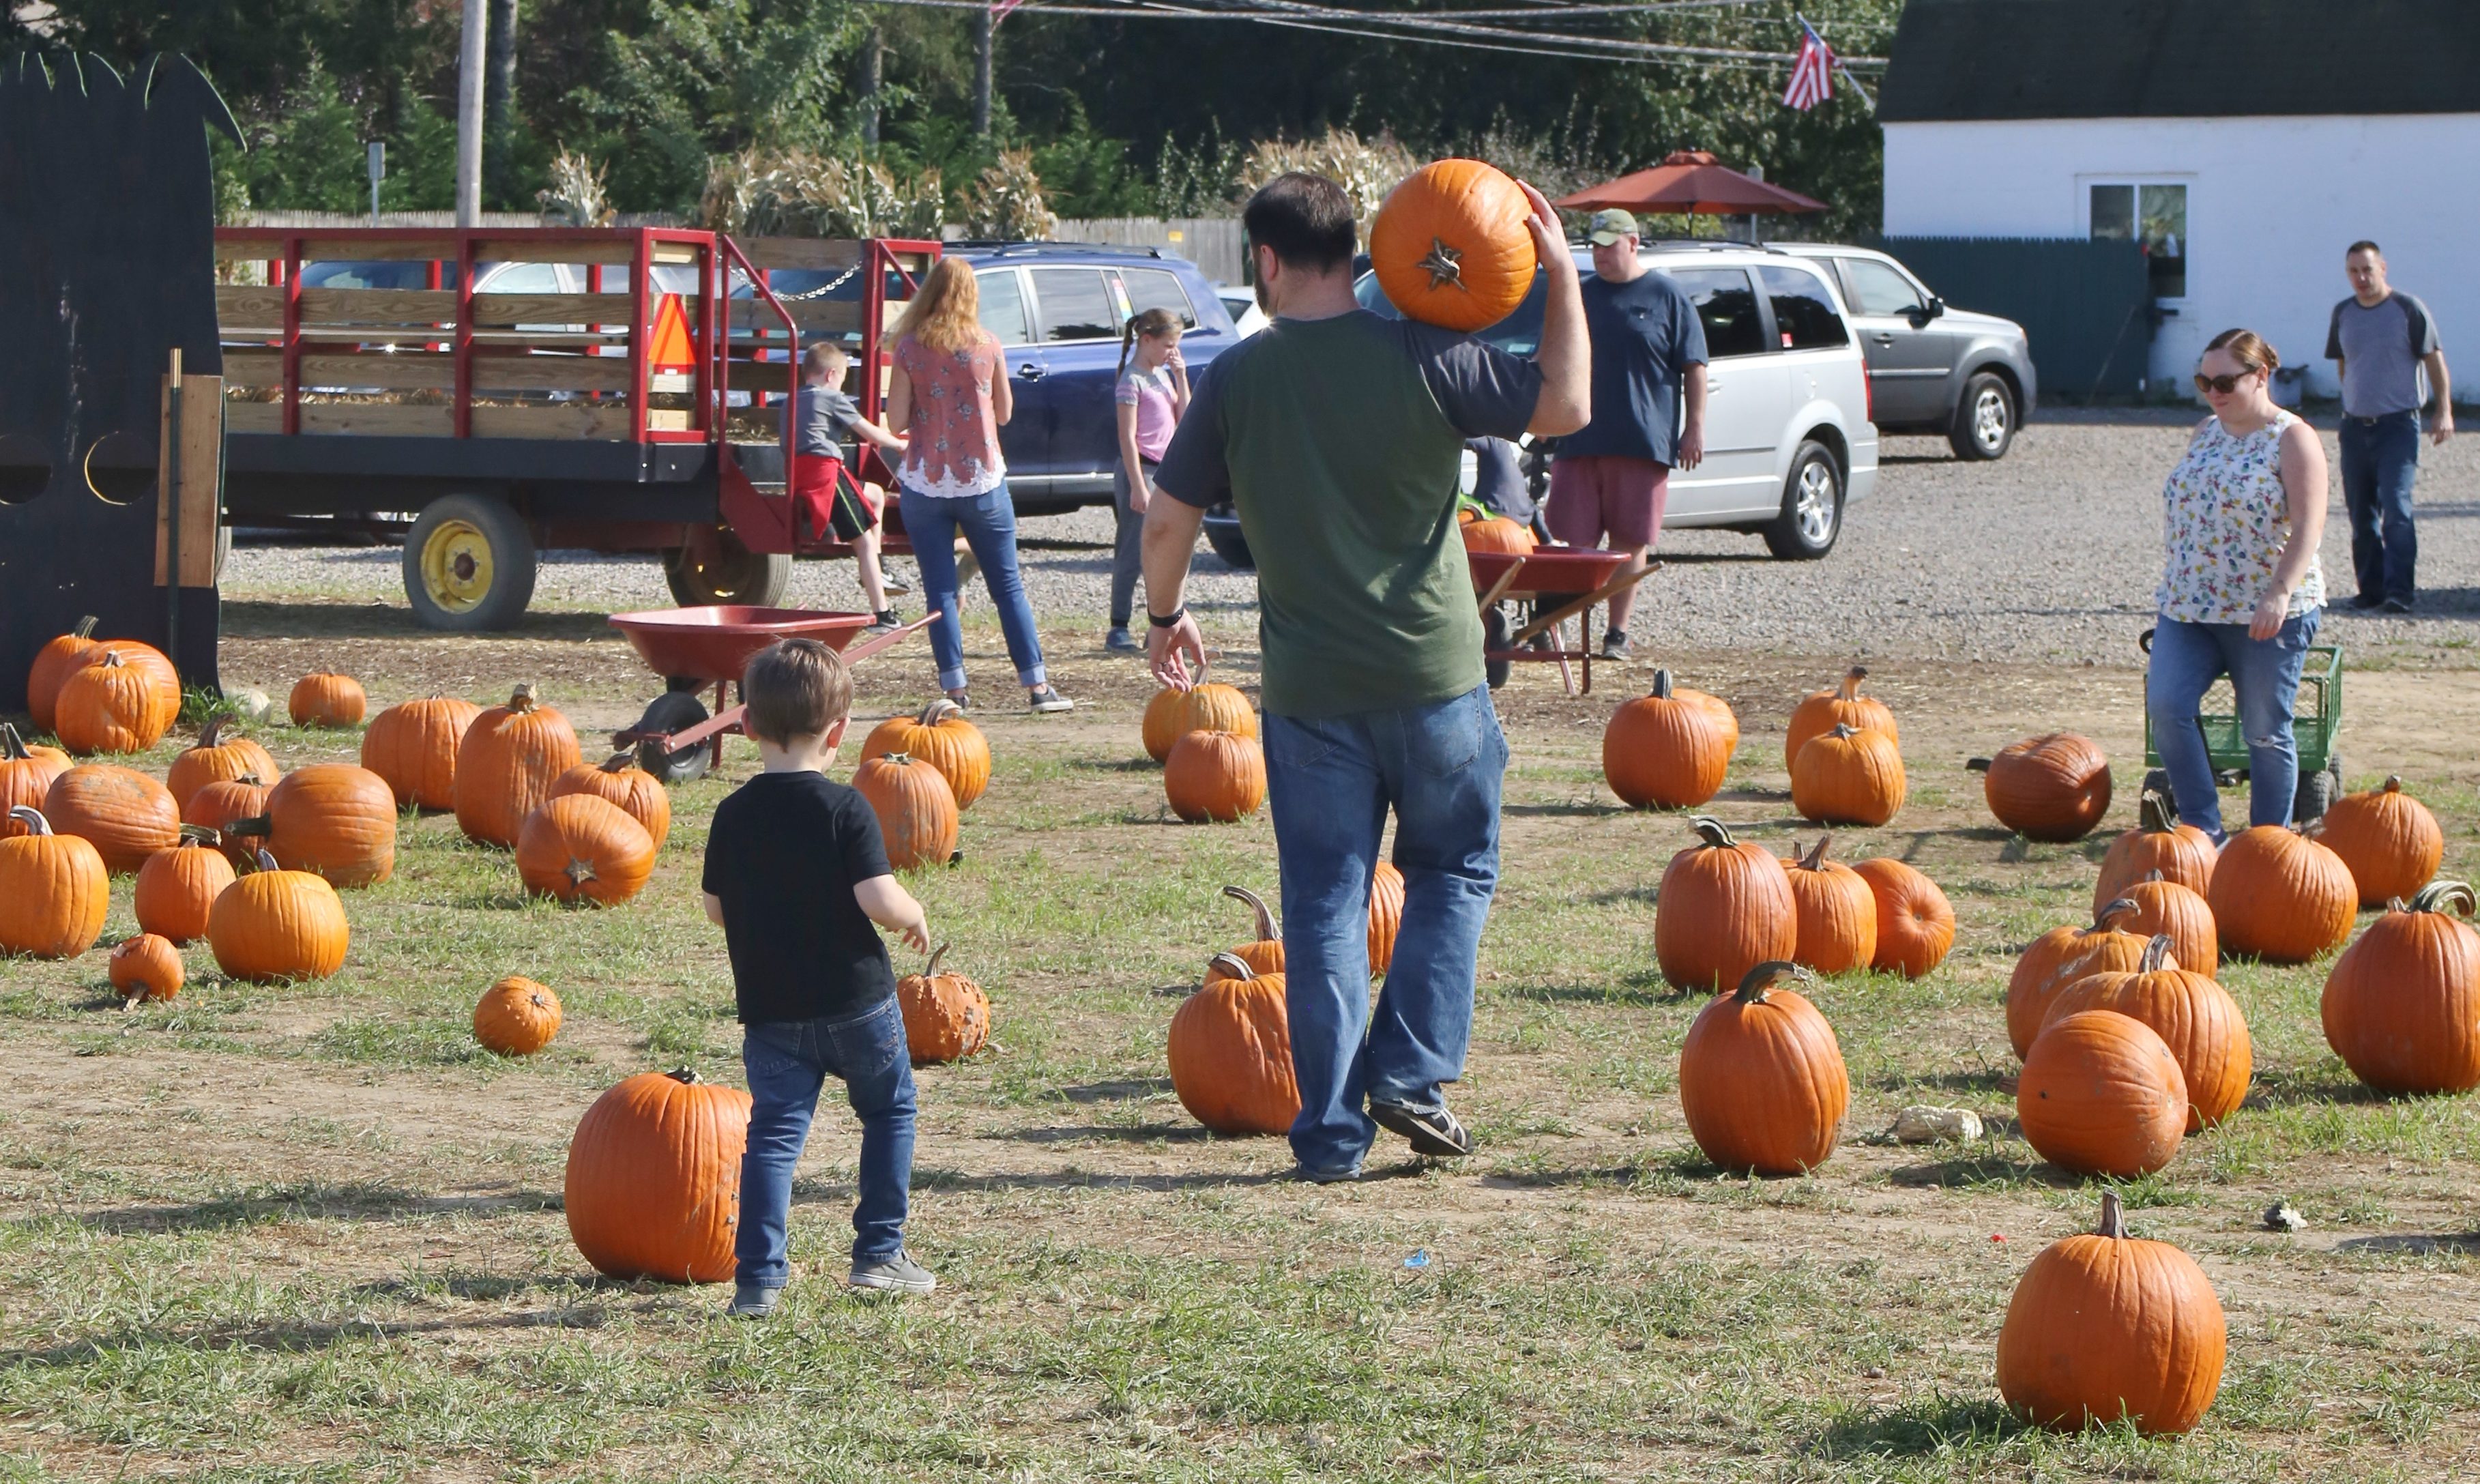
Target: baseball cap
(1609, 226)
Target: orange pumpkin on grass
(1842, 706)
(218, 756)
(2388, 839)
(1451, 245)
(219, 806)
(124, 814)
(333, 820)
(2054, 788)
(652, 1185)
(26, 774)
(941, 737)
(146, 967)
(516, 1017)
(53, 890)
(413, 745)
(2402, 1004)
(177, 888)
(1231, 1052)
(1265, 954)
(505, 766)
(916, 809)
(2179, 853)
(1724, 907)
(2106, 1326)
(2166, 908)
(1836, 910)
(54, 663)
(112, 705)
(325, 699)
(947, 1016)
(582, 848)
(1915, 922)
(1665, 751)
(1216, 776)
(2101, 1094)
(1172, 715)
(1848, 777)
(1760, 1078)
(2196, 1018)
(2281, 895)
(276, 925)
(2060, 957)
(619, 780)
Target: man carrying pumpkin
(1337, 436)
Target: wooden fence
(1211, 242)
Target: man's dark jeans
(789, 1063)
(2380, 459)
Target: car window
(1075, 304)
(1156, 288)
(1877, 289)
(1003, 307)
(1727, 302)
(521, 278)
(1804, 314)
(370, 275)
(1518, 334)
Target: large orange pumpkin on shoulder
(941, 737)
(1231, 1052)
(1724, 907)
(652, 1187)
(1760, 1078)
(2107, 1326)
(1451, 246)
(505, 764)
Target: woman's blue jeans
(2264, 673)
(1330, 781)
(988, 523)
(789, 1063)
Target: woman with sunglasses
(2243, 513)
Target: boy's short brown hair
(824, 357)
(795, 687)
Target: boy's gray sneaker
(1615, 644)
(1122, 642)
(750, 1302)
(884, 622)
(894, 1273)
(1431, 1131)
(1047, 701)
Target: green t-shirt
(1339, 442)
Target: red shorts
(815, 488)
(1594, 495)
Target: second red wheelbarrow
(1576, 580)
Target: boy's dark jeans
(789, 1063)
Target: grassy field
(311, 1232)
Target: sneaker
(894, 1273)
(752, 1302)
(885, 621)
(963, 698)
(1615, 644)
(1121, 640)
(2394, 606)
(894, 585)
(1047, 701)
(1431, 1131)
(2364, 603)
(1306, 1175)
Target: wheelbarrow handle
(891, 637)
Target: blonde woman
(948, 394)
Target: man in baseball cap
(1608, 226)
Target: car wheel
(1812, 510)
(1984, 419)
(734, 574)
(469, 564)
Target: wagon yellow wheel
(469, 564)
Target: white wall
(2272, 202)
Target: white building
(2247, 142)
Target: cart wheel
(2317, 792)
(676, 711)
(1494, 632)
(735, 574)
(2157, 781)
(469, 564)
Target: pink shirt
(952, 448)
(1149, 392)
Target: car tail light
(1868, 394)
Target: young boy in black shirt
(795, 874)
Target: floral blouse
(952, 448)
(2225, 521)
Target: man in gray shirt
(2385, 344)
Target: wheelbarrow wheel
(673, 711)
(2317, 792)
(1494, 634)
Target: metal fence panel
(2085, 306)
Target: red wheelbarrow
(1583, 579)
(691, 648)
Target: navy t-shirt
(783, 855)
(1645, 336)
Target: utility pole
(469, 115)
(499, 102)
(983, 23)
(873, 69)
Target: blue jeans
(988, 523)
(2380, 459)
(2264, 673)
(1332, 780)
(787, 1062)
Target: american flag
(1812, 75)
(1000, 8)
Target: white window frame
(2084, 183)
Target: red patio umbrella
(1691, 180)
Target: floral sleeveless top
(953, 445)
(2225, 521)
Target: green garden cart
(2316, 715)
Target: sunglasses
(2222, 384)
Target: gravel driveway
(2050, 554)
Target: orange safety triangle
(671, 349)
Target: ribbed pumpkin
(111, 705)
(177, 888)
(1836, 912)
(1231, 1052)
(413, 745)
(917, 811)
(579, 847)
(2196, 1018)
(941, 737)
(125, 815)
(1498, 533)
(619, 780)
(1665, 751)
(2109, 1326)
(1726, 721)
(147, 966)
(505, 764)
(53, 890)
(1724, 907)
(217, 758)
(1760, 1078)
(1915, 922)
(219, 806)
(1842, 706)
(325, 700)
(1848, 777)
(26, 774)
(516, 1017)
(164, 680)
(1172, 715)
(1451, 248)
(333, 820)
(2166, 908)
(1264, 954)
(2388, 839)
(2402, 1004)
(60, 656)
(2060, 957)
(2179, 853)
(1385, 914)
(2054, 788)
(278, 924)
(947, 1016)
(2100, 1094)
(652, 1188)
(2281, 895)
(1216, 776)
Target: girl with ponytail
(1151, 395)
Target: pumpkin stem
(522, 699)
(85, 628)
(1266, 928)
(208, 734)
(1850, 689)
(687, 1077)
(263, 860)
(112, 660)
(1763, 976)
(896, 759)
(200, 835)
(937, 711)
(32, 817)
(255, 824)
(936, 954)
(2157, 955)
(2440, 896)
(1713, 832)
(13, 747)
(1233, 965)
(1444, 265)
(2114, 1218)
(2153, 814)
(619, 763)
(2114, 909)
(1842, 729)
(1662, 685)
(579, 872)
(1815, 859)
(1977, 765)
(2393, 782)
